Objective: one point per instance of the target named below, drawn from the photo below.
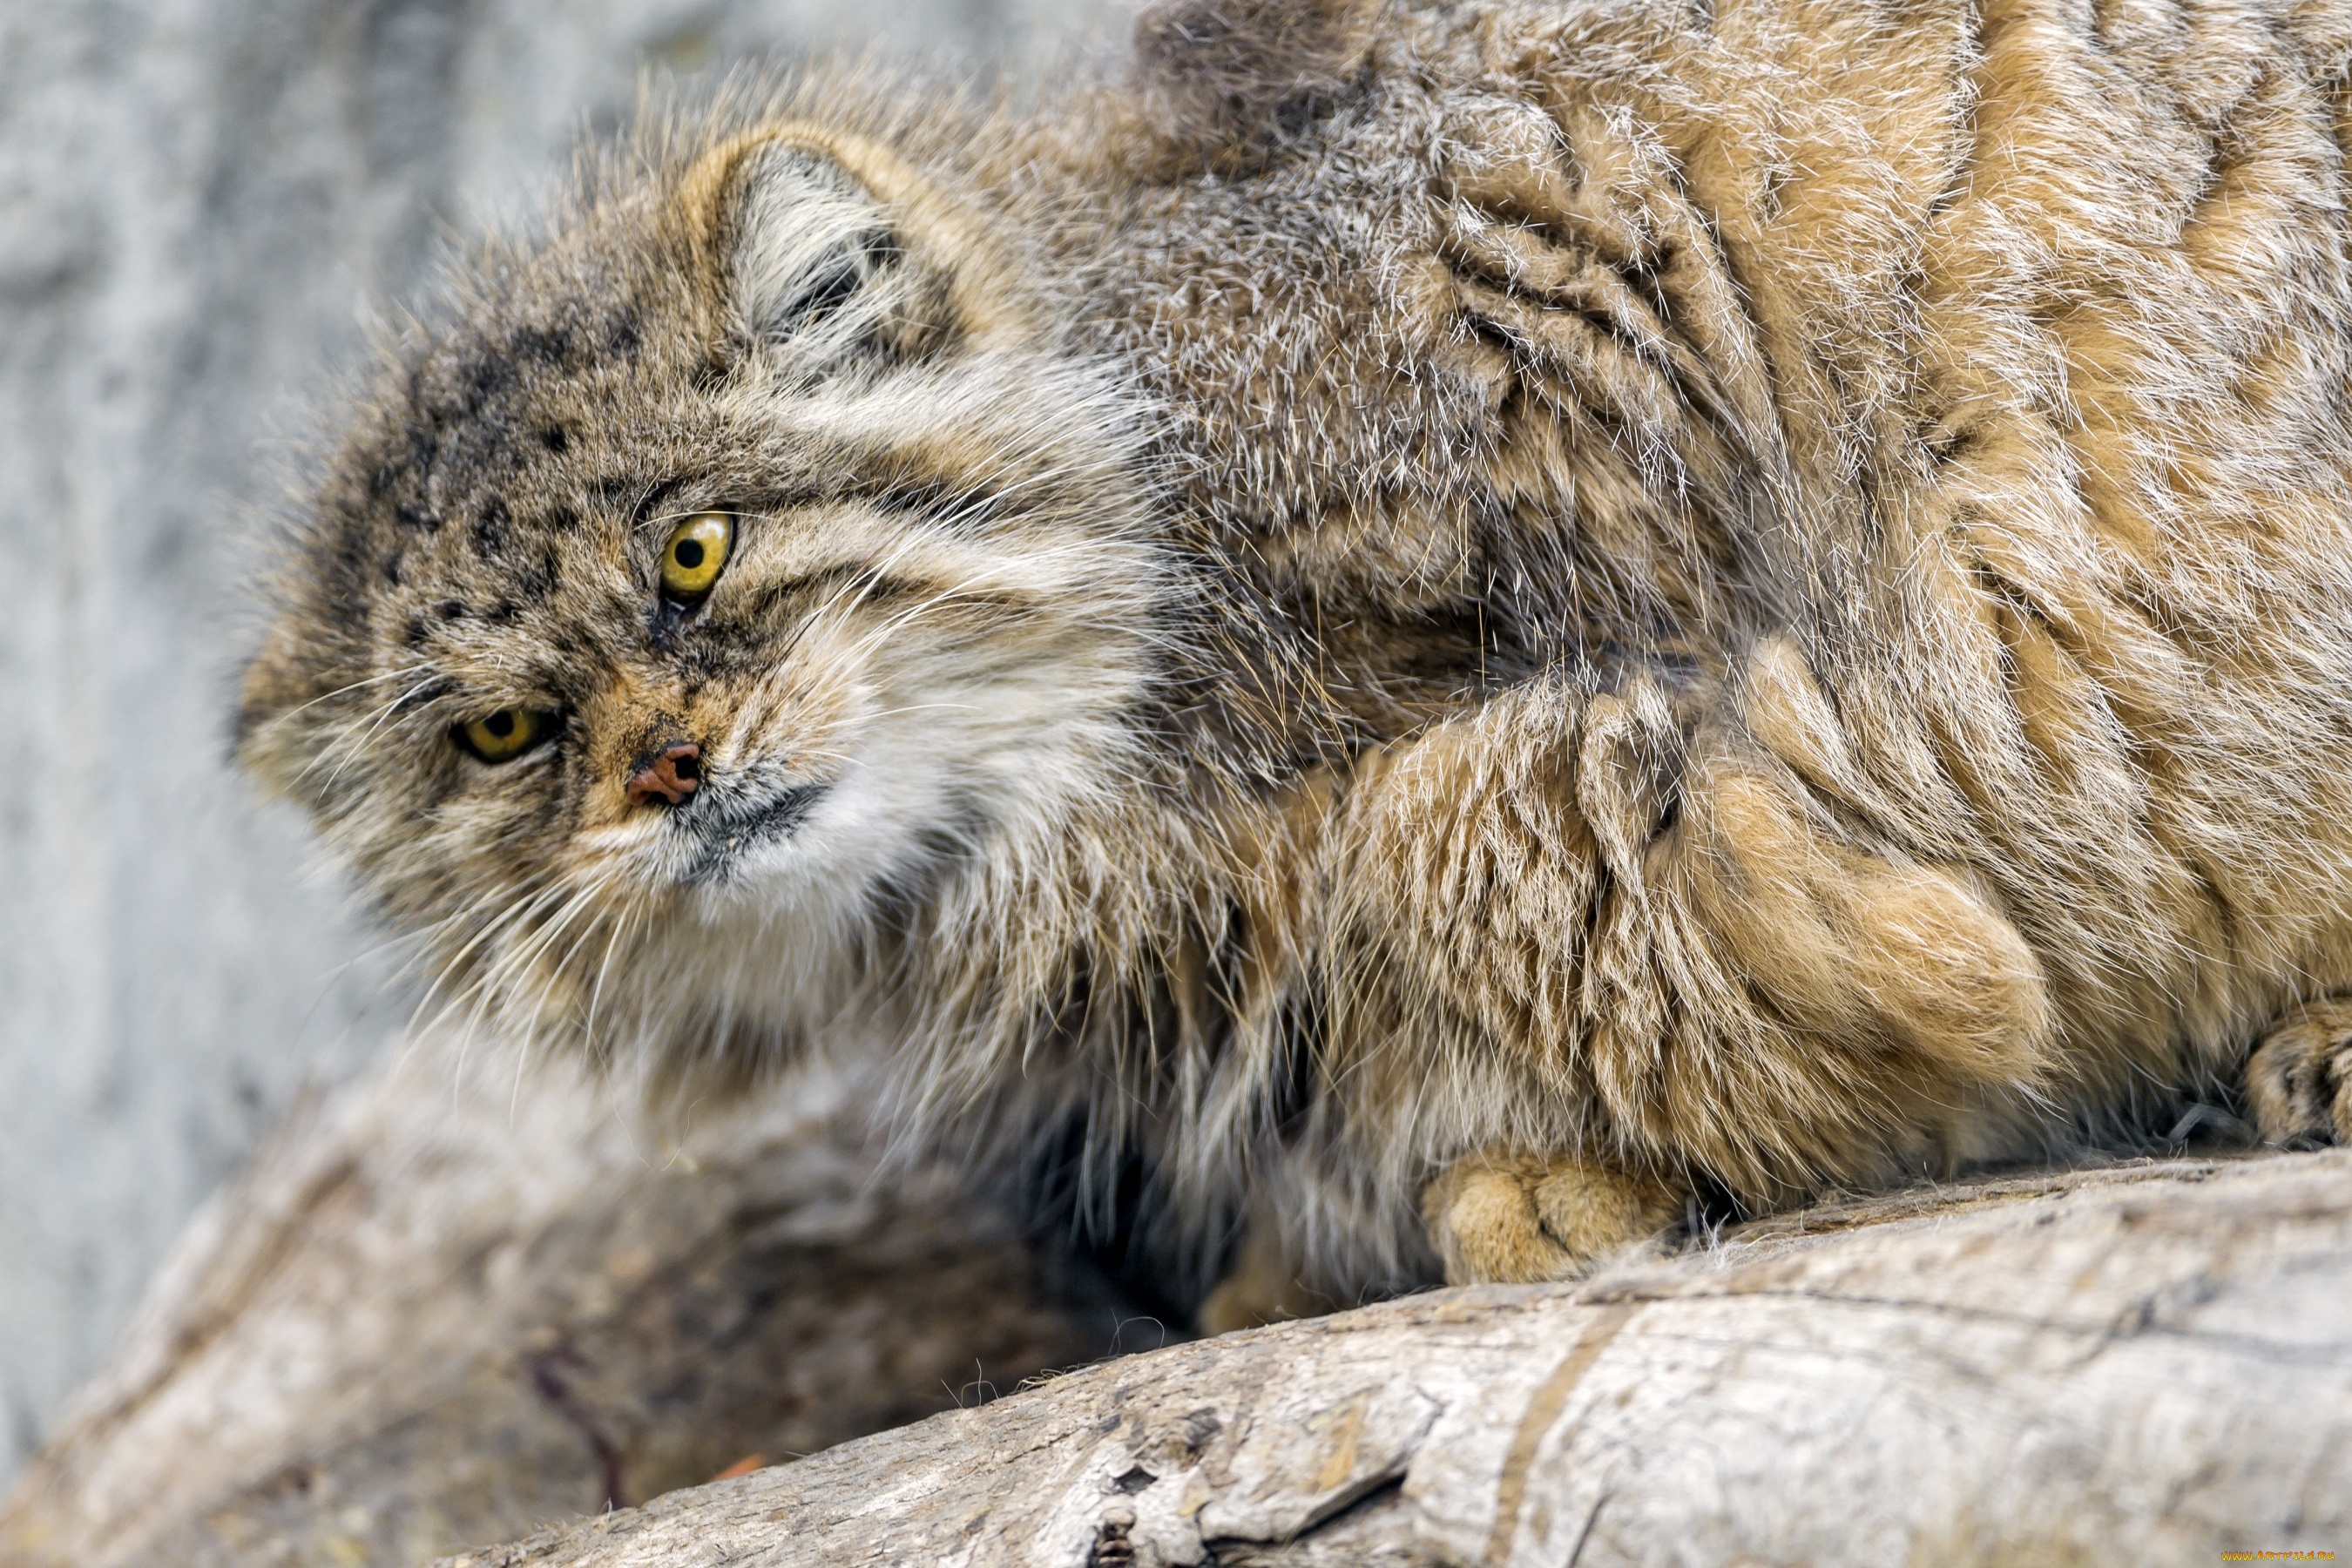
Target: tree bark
(2144, 1364)
(433, 1314)
(454, 1304)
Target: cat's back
(1521, 293)
(1997, 353)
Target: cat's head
(714, 580)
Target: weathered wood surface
(450, 1307)
(440, 1312)
(2149, 1363)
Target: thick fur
(1449, 624)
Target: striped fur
(1449, 624)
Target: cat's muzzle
(725, 829)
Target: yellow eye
(694, 553)
(505, 734)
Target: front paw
(1517, 1218)
(2299, 1080)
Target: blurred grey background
(200, 202)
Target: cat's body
(1515, 610)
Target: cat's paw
(2299, 1080)
(1503, 1217)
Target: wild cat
(1440, 625)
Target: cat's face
(734, 568)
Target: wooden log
(440, 1311)
(453, 1305)
(2149, 1364)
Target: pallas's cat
(1439, 627)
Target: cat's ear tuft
(825, 248)
(812, 248)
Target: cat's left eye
(695, 554)
(505, 734)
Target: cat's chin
(814, 856)
(718, 996)
(735, 841)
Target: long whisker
(596, 992)
(348, 745)
(585, 899)
(525, 905)
(370, 680)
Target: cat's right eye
(504, 735)
(695, 554)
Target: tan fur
(1550, 607)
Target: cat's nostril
(669, 777)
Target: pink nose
(669, 777)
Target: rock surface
(199, 200)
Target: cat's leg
(2299, 1078)
(1264, 1286)
(1585, 951)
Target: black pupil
(500, 723)
(689, 554)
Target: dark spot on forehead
(390, 567)
(562, 520)
(541, 345)
(450, 609)
(490, 527)
(536, 581)
(484, 377)
(419, 627)
(555, 439)
(502, 611)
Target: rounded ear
(813, 263)
(823, 245)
